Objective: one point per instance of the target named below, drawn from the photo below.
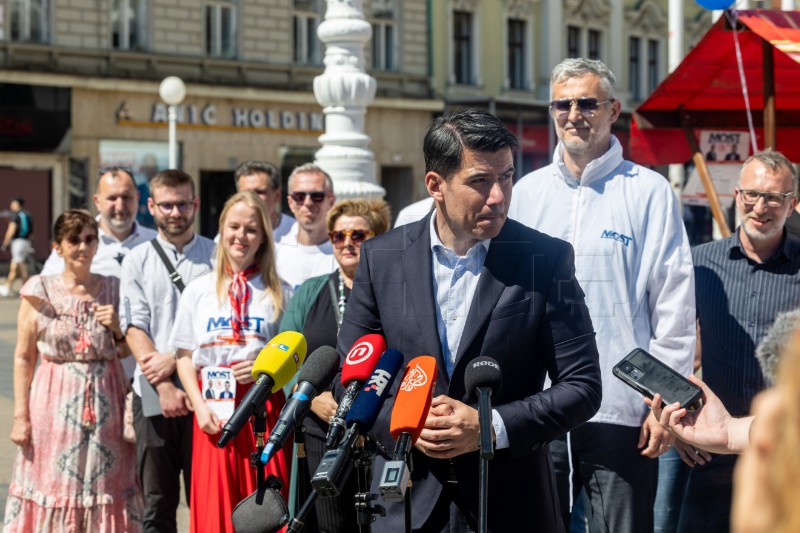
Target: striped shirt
(737, 302)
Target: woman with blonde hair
(223, 321)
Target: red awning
(707, 86)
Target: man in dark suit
(466, 282)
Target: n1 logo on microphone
(359, 353)
(378, 381)
(415, 377)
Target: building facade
(79, 91)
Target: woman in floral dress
(73, 471)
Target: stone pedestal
(344, 91)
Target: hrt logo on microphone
(415, 377)
(492, 364)
(378, 381)
(359, 353)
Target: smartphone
(648, 376)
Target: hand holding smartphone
(648, 376)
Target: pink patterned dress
(78, 474)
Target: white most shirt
(203, 323)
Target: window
(516, 54)
(128, 24)
(653, 56)
(594, 44)
(30, 20)
(462, 46)
(634, 68)
(221, 29)
(573, 41)
(306, 44)
(384, 32)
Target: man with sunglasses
(148, 301)
(305, 252)
(465, 282)
(743, 283)
(632, 258)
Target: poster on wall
(144, 158)
(724, 151)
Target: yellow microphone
(275, 365)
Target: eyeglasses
(586, 106)
(166, 207)
(76, 241)
(358, 236)
(300, 196)
(772, 199)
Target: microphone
(357, 367)
(335, 467)
(315, 375)
(409, 414)
(774, 343)
(483, 378)
(272, 369)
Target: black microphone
(315, 375)
(483, 378)
(335, 465)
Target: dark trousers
(163, 449)
(620, 483)
(707, 501)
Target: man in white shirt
(116, 200)
(632, 259)
(306, 252)
(264, 179)
(413, 212)
(148, 302)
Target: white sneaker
(4, 291)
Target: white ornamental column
(344, 90)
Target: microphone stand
(259, 430)
(296, 524)
(363, 458)
(487, 454)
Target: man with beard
(305, 252)
(743, 283)
(148, 300)
(632, 258)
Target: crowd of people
(557, 277)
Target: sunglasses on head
(75, 240)
(358, 236)
(585, 105)
(166, 207)
(300, 196)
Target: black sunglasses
(358, 236)
(585, 105)
(75, 240)
(300, 196)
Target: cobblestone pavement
(8, 335)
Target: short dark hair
(171, 178)
(19, 199)
(472, 128)
(248, 168)
(71, 222)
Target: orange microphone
(409, 413)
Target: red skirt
(222, 477)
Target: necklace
(342, 302)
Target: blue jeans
(673, 474)
(707, 502)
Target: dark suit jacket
(210, 394)
(528, 313)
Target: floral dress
(78, 474)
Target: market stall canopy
(706, 90)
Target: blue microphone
(335, 466)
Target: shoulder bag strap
(173, 274)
